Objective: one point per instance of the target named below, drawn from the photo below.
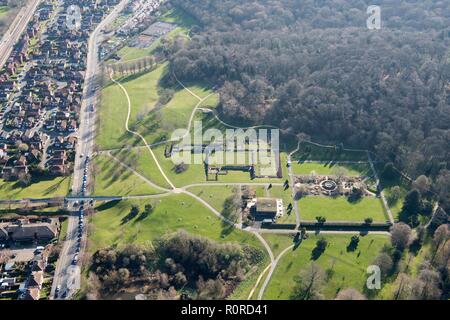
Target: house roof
(3, 234)
(266, 205)
(35, 279)
(32, 231)
(31, 294)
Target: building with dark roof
(24, 232)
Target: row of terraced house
(41, 89)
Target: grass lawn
(46, 188)
(141, 161)
(348, 268)
(171, 213)
(112, 179)
(109, 227)
(355, 170)
(63, 232)
(340, 209)
(395, 206)
(142, 89)
(154, 122)
(214, 195)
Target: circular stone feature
(328, 185)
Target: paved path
(271, 271)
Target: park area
(113, 224)
(341, 209)
(344, 267)
(42, 188)
(155, 111)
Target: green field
(340, 209)
(354, 170)
(395, 206)
(111, 179)
(153, 121)
(141, 161)
(171, 213)
(109, 228)
(46, 188)
(214, 195)
(348, 267)
(114, 108)
(3, 11)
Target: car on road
(75, 259)
(57, 290)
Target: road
(67, 277)
(18, 26)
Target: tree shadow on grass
(54, 187)
(130, 216)
(107, 205)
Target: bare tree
(339, 172)
(422, 183)
(385, 263)
(309, 283)
(350, 294)
(431, 281)
(441, 235)
(400, 235)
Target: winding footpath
(184, 191)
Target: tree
(400, 235)
(394, 194)
(385, 263)
(309, 283)
(440, 217)
(389, 172)
(356, 194)
(422, 183)
(321, 219)
(23, 147)
(368, 220)
(24, 179)
(411, 206)
(180, 279)
(350, 294)
(320, 248)
(429, 286)
(441, 235)
(301, 191)
(339, 172)
(213, 289)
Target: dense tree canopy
(176, 262)
(313, 67)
